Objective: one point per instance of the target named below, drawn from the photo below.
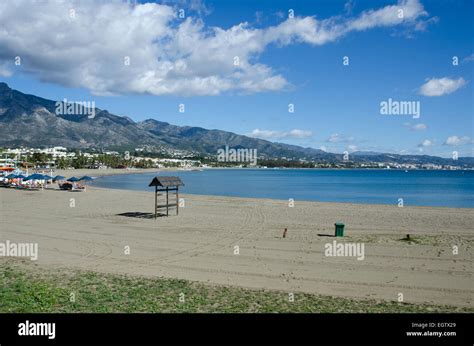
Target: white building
(54, 151)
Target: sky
(311, 73)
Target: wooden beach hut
(166, 184)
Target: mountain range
(31, 121)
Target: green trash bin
(339, 229)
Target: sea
(440, 188)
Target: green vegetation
(293, 163)
(80, 161)
(26, 290)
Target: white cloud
(419, 127)
(426, 143)
(441, 86)
(168, 55)
(404, 12)
(197, 6)
(337, 138)
(299, 133)
(349, 6)
(352, 147)
(422, 25)
(5, 71)
(469, 58)
(268, 134)
(456, 140)
(416, 127)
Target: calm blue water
(423, 188)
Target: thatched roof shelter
(166, 181)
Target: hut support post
(167, 206)
(156, 201)
(177, 200)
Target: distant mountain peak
(29, 120)
(106, 130)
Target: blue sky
(337, 107)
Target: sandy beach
(91, 230)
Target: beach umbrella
(20, 176)
(86, 178)
(73, 179)
(58, 177)
(11, 176)
(36, 176)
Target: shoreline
(265, 199)
(123, 171)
